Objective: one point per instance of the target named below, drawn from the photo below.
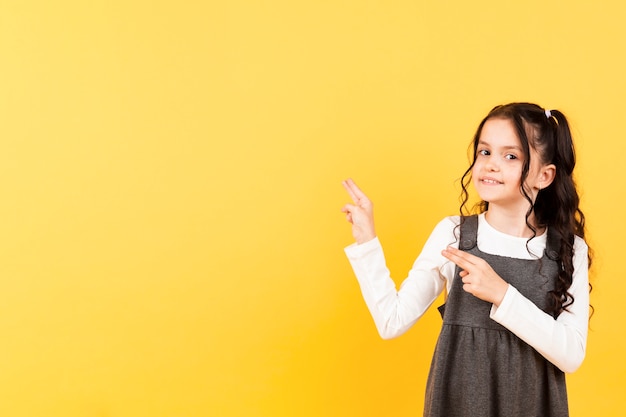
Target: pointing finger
(355, 192)
(463, 255)
(460, 258)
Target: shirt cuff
(356, 250)
(499, 313)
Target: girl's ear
(546, 176)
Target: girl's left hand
(479, 279)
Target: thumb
(349, 208)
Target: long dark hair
(556, 206)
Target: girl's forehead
(499, 131)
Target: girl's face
(498, 166)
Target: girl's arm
(562, 341)
(394, 311)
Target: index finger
(355, 192)
(463, 259)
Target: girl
(516, 315)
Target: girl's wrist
(365, 239)
(500, 294)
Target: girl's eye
(483, 152)
(511, 156)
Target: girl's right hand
(360, 214)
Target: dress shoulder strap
(469, 231)
(552, 245)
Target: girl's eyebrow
(516, 147)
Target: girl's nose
(492, 164)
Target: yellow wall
(170, 236)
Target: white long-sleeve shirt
(562, 341)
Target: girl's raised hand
(360, 214)
(479, 279)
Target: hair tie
(548, 113)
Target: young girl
(516, 315)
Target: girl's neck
(512, 223)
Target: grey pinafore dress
(481, 369)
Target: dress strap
(469, 230)
(552, 245)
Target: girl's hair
(556, 206)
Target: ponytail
(558, 208)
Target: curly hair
(556, 206)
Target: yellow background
(170, 236)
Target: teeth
(488, 181)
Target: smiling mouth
(490, 181)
